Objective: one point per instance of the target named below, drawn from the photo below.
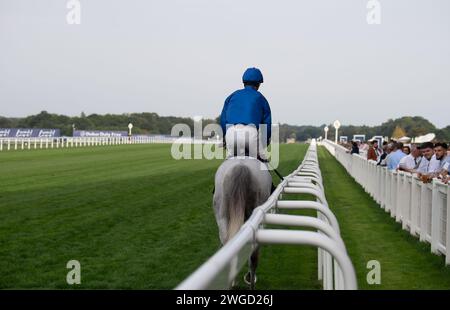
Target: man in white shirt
(427, 150)
(434, 164)
(440, 163)
(411, 162)
(440, 151)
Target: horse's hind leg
(253, 264)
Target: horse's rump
(241, 185)
(239, 197)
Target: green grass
(136, 218)
(371, 234)
(132, 216)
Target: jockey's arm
(267, 118)
(223, 117)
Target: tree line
(152, 123)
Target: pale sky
(320, 59)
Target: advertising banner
(28, 133)
(99, 133)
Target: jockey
(243, 113)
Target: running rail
(423, 209)
(335, 268)
(33, 143)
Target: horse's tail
(239, 198)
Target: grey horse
(241, 184)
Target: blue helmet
(252, 75)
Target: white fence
(10, 144)
(334, 266)
(422, 208)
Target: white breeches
(240, 138)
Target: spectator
(427, 150)
(377, 148)
(363, 147)
(406, 150)
(410, 162)
(394, 158)
(371, 153)
(355, 148)
(387, 150)
(438, 166)
(440, 153)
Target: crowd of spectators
(427, 160)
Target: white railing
(14, 144)
(423, 209)
(335, 268)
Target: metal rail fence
(335, 268)
(14, 144)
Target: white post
(447, 232)
(407, 203)
(130, 126)
(435, 218)
(398, 196)
(423, 212)
(415, 204)
(336, 125)
(394, 190)
(387, 190)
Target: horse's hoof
(247, 278)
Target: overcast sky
(320, 59)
